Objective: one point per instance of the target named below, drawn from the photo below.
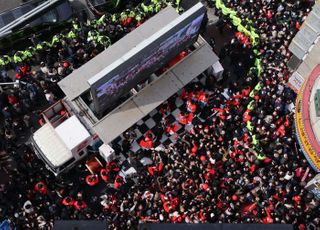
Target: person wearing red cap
(18, 76)
(68, 201)
(234, 197)
(79, 205)
(41, 187)
(63, 112)
(92, 180)
(104, 175)
(66, 64)
(41, 122)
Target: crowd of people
(220, 170)
(32, 74)
(31, 77)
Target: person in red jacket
(171, 204)
(191, 107)
(182, 118)
(118, 182)
(12, 99)
(178, 218)
(147, 142)
(297, 200)
(92, 180)
(203, 99)
(172, 128)
(268, 219)
(79, 205)
(104, 175)
(269, 14)
(204, 187)
(187, 184)
(246, 91)
(155, 169)
(112, 167)
(138, 23)
(194, 149)
(24, 70)
(41, 187)
(68, 201)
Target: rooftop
(307, 122)
(72, 132)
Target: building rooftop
(307, 121)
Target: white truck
(63, 140)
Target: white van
(62, 140)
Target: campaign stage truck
(102, 98)
(62, 140)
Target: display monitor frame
(147, 57)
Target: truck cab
(62, 140)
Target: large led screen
(150, 58)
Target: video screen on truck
(121, 79)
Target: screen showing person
(142, 64)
